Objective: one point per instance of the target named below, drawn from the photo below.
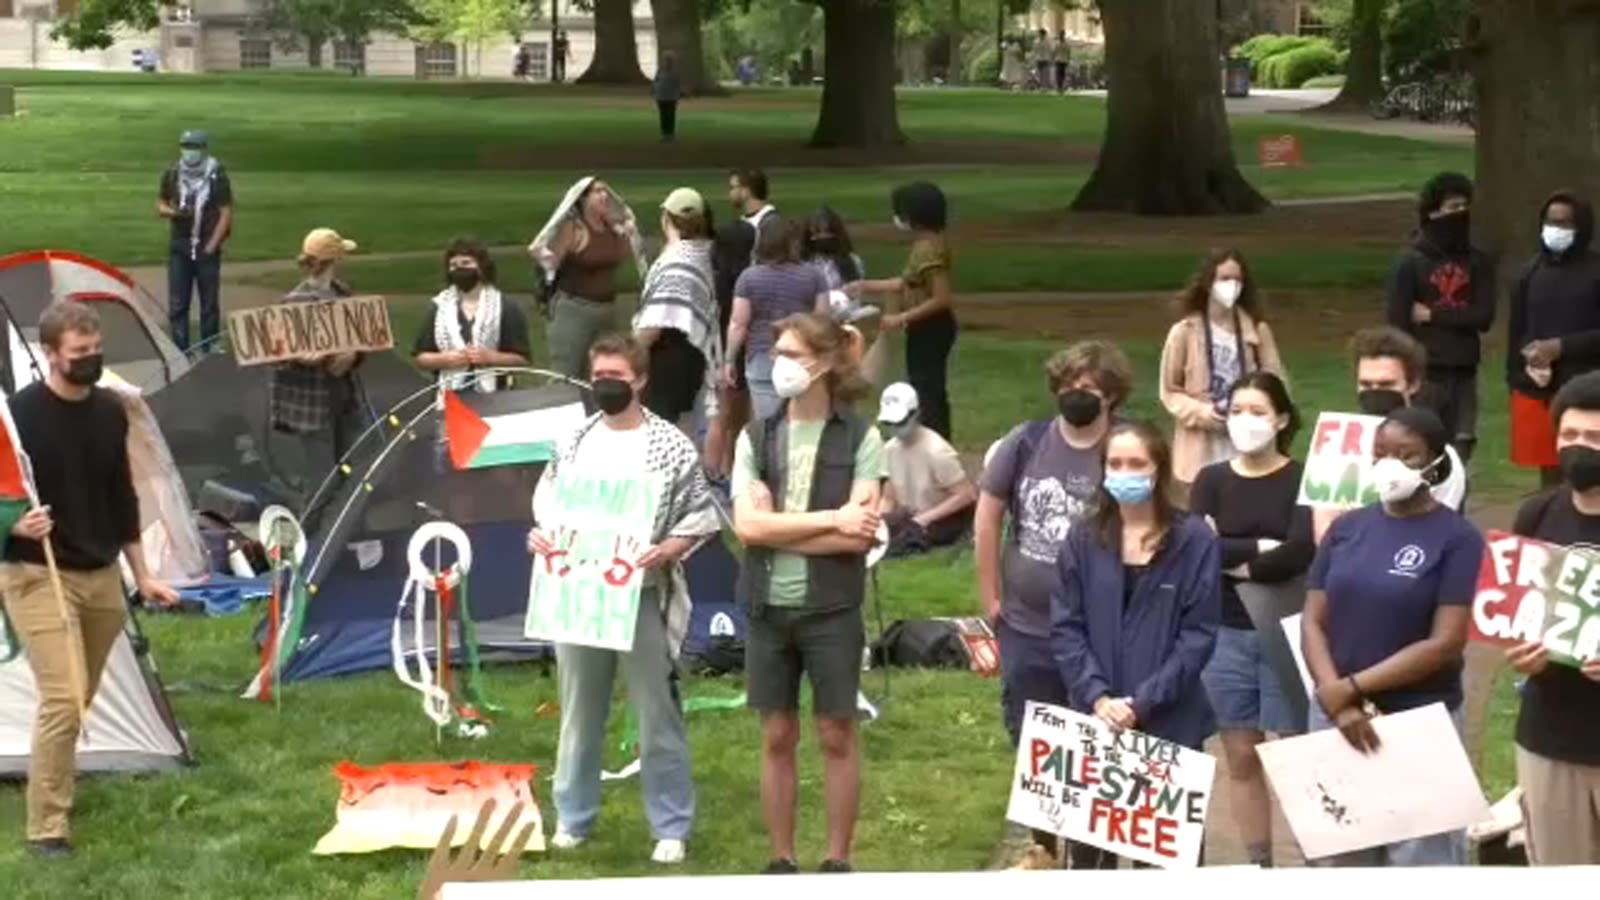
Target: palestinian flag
(16, 497)
(508, 428)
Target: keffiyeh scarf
(680, 293)
(447, 334)
(567, 211)
(194, 192)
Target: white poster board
(1338, 465)
(1291, 630)
(1136, 795)
(1418, 783)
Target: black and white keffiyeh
(194, 192)
(680, 293)
(567, 211)
(448, 338)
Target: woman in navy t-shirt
(1386, 614)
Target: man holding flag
(63, 525)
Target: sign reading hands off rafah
(1134, 794)
(586, 590)
(1338, 470)
(1530, 591)
(286, 331)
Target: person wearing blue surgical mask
(1137, 603)
(929, 499)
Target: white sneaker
(865, 711)
(668, 852)
(564, 841)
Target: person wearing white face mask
(1221, 335)
(928, 501)
(1387, 606)
(1554, 333)
(1264, 536)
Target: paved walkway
(1304, 106)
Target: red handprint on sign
(624, 561)
(550, 563)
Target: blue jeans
(764, 398)
(585, 676)
(1243, 688)
(1447, 849)
(188, 273)
(1028, 671)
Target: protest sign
(1530, 591)
(1339, 465)
(284, 331)
(586, 591)
(1268, 605)
(1280, 152)
(1337, 800)
(1133, 794)
(1291, 634)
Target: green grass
(399, 164)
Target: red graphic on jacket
(1451, 281)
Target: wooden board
(286, 331)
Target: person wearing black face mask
(1442, 292)
(625, 441)
(1558, 735)
(1046, 474)
(85, 516)
(828, 249)
(472, 326)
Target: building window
(436, 60)
(347, 55)
(255, 53)
(538, 61)
(1309, 23)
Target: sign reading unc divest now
(1530, 591)
(1338, 471)
(285, 331)
(1134, 794)
(586, 591)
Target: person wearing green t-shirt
(806, 489)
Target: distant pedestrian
(1063, 60)
(560, 49)
(1044, 65)
(197, 197)
(668, 88)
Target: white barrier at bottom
(1220, 882)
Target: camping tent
(357, 567)
(133, 326)
(130, 728)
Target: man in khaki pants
(76, 437)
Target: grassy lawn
(398, 166)
(402, 165)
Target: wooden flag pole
(77, 669)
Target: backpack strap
(1528, 525)
(1028, 441)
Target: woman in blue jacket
(1137, 602)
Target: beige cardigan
(1186, 385)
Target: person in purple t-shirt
(777, 286)
(1390, 595)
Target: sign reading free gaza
(1338, 473)
(1530, 591)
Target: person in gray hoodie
(1554, 332)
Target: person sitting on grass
(928, 502)
(806, 487)
(471, 326)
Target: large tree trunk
(1167, 149)
(678, 33)
(858, 103)
(616, 53)
(1538, 108)
(1363, 72)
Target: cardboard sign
(1337, 800)
(1281, 152)
(1529, 590)
(284, 331)
(1339, 467)
(1133, 794)
(587, 590)
(408, 804)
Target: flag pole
(77, 669)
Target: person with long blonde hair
(807, 482)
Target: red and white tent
(133, 326)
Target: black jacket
(1460, 292)
(1557, 297)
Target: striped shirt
(775, 292)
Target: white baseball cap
(898, 404)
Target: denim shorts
(1243, 689)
